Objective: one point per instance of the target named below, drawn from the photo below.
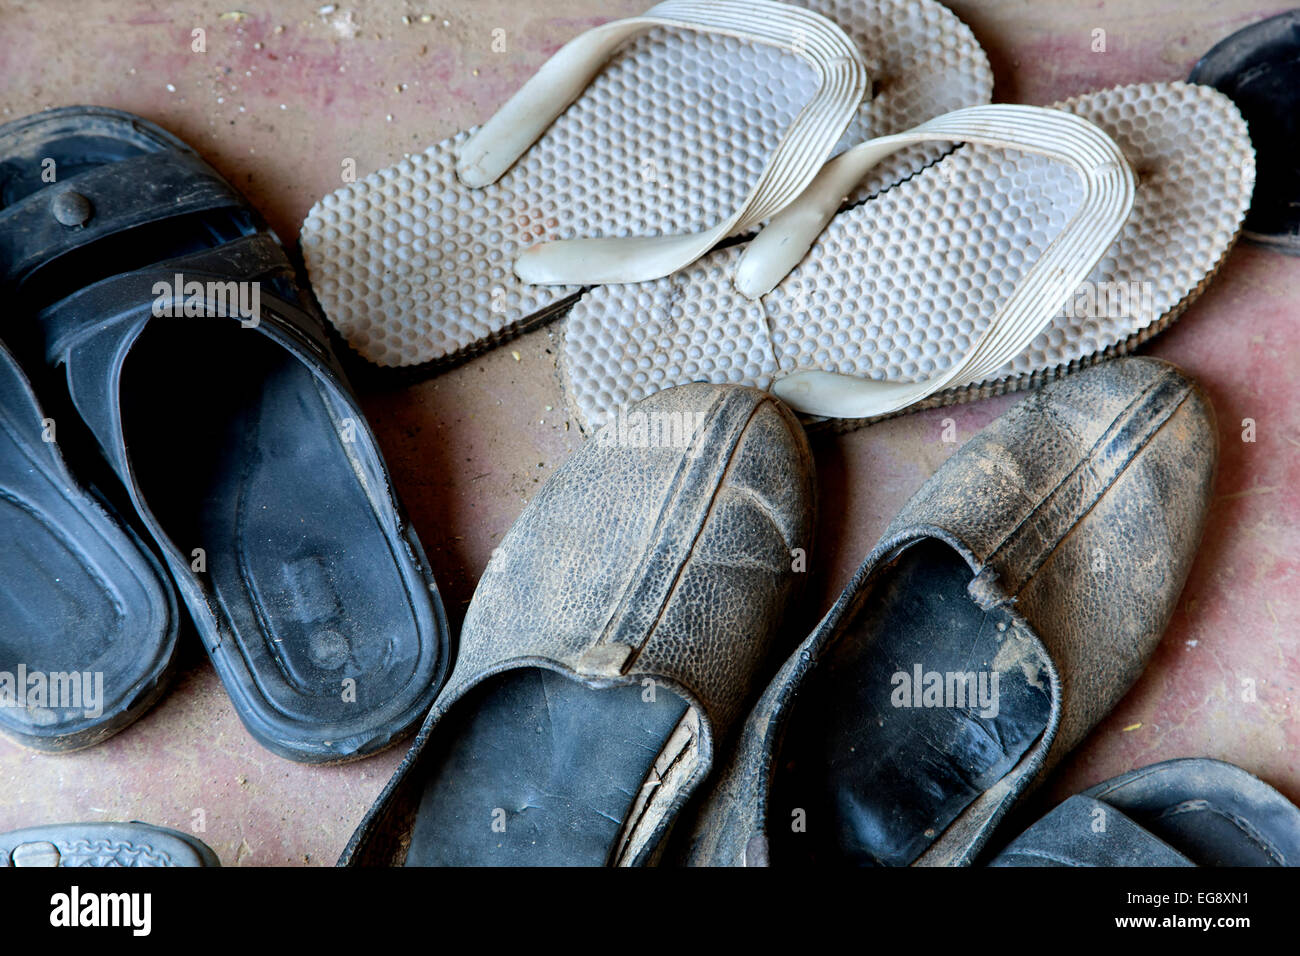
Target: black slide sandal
(88, 192)
(88, 619)
(1083, 832)
(311, 592)
(1214, 813)
(215, 395)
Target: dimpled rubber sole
(414, 268)
(899, 287)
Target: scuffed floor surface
(286, 94)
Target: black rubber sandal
(214, 393)
(88, 619)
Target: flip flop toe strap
(842, 75)
(1109, 190)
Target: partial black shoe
(1258, 68)
(1189, 812)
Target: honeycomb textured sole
(415, 269)
(898, 287)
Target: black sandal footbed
(80, 594)
(559, 763)
(283, 532)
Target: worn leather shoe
(612, 642)
(1007, 609)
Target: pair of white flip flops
(902, 273)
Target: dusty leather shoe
(1007, 609)
(611, 643)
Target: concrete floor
(284, 93)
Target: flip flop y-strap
(1109, 189)
(495, 147)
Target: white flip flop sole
(906, 287)
(416, 267)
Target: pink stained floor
(285, 93)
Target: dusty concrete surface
(284, 93)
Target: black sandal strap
(105, 201)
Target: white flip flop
(1054, 238)
(632, 152)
